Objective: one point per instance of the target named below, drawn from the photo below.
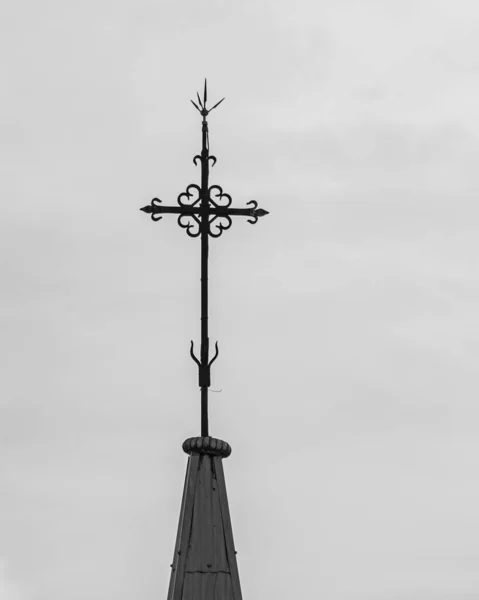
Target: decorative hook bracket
(204, 370)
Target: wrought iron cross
(204, 212)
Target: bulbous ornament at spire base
(207, 445)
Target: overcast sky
(347, 318)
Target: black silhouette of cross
(204, 212)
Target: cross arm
(155, 208)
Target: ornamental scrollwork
(221, 223)
(210, 157)
(189, 195)
(257, 212)
(155, 216)
(189, 199)
(219, 203)
(191, 223)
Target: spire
(204, 563)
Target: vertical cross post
(204, 368)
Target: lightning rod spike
(217, 104)
(195, 105)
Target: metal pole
(204, 283)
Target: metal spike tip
(195, 105)
(205, 93)
(217, 104)
(199, 99)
